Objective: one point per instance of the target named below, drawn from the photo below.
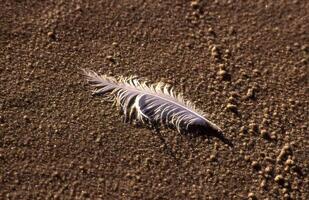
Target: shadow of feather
(207, 133)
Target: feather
(153, 104)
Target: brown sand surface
(245, 63)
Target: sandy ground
(244, 63)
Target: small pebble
(263, 184)
(78, 8)
(256, 166)
(247, 158)
(285, 151)
(26, 118)
(232, 30)
(289, 162)
(273, 135)
(287, 147)
(265, 134)
(243, 130)
(212, 158)
(253, 128)
(224, 75)
(265, 121)
(250, 93)
(268, 170)
(231, 107)
(110, 58)
(252, 196)
(222, 72)
(194, 4)
(304, 48)
(51, 35)
(231, 100)
(286, 196)
(285, 190)
(211, 31)
(85, 194)
(303, 61)
(214, 51)
(98, 139)
(256, 71)
(227, 52)
(279, 179)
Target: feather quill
(153, 104)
